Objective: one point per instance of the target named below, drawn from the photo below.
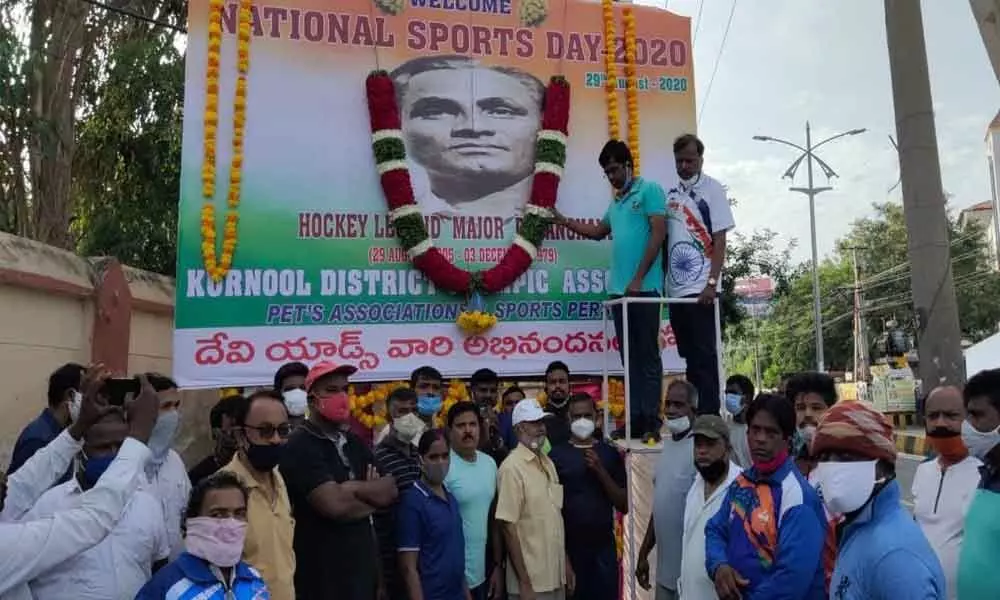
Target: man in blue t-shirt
(637, 219)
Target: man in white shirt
(122, 562)
(698, 218)
(32, 547)
(673, 478)
(166, 477)
(716, 471)
(943, 487)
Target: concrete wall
(56, 307)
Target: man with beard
(484, 387)
(716, 471)
(882, 552)
(592, 474)
(943, 486)
(556, 398)
(637, 219)
(222, 421)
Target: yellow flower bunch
(619, 538)
(631, 87)
(610, 71)
(218, 267)
(457, 392)
(616, 397)
(370, 408)
(476, 322)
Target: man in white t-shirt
(716, 470)
(943, 487)
(122, 562)
(698, 218)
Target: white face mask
(408, 427)
(296, 401)
(845, 486)
(582, 428)
(979, 443)
(74, 406)
(680, 425)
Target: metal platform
(639, 457)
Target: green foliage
(750, 256)
(786, 338)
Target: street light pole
(808, 153)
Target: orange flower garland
(610, 72)
(218, 267)
(631, 87)
(369, 408)
(457, 392)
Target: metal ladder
(633, 449)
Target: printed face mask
(218, 541)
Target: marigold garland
(631, 87)
(610, 71)
(476, 322)
(217, 267)
(404, 213)
(457, 392)
(369, 408)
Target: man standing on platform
(698, 217)
(637, 218)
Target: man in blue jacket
(765, 542)
(883, 552)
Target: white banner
(249, 356)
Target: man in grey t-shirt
(673, 478)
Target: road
(906, 467)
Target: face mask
(948, 445)
(218, 541)
(734, 403)
(296, 401)
(428, 406)
(408, 427)
(335, 407)
(436, 472)
(979, 443)
(802, 439)
(535, 444)
(713, 472)
(845, 486)
(74, 406)
(163, 434)
(680, 425)
(94, 467)
(582, 428)
(265, 457)
(770, 466)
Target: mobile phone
(116, 390)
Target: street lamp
(808, 153)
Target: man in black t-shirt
(593, 477)
(222, 420)
(334, 489)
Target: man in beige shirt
(529, 506)
(262, 428)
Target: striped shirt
(393, 457)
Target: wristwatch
(712, 281)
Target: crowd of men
(792, 496)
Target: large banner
(317, 272)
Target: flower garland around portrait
(615, 399)
(610, 71)
(405, 215)
(218, 266)
(632, 88)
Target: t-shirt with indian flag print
(696, 209)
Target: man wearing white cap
(529, 507)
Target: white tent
(984, 355)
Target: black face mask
(265, 457)
(713, 472)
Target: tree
(755, 255)
(881, 239)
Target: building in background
(987, 216)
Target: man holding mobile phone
(637, 217)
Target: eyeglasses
(267, 430)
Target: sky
(786, 62)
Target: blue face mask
(734, 403)
(94, 467)
(428, 406)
